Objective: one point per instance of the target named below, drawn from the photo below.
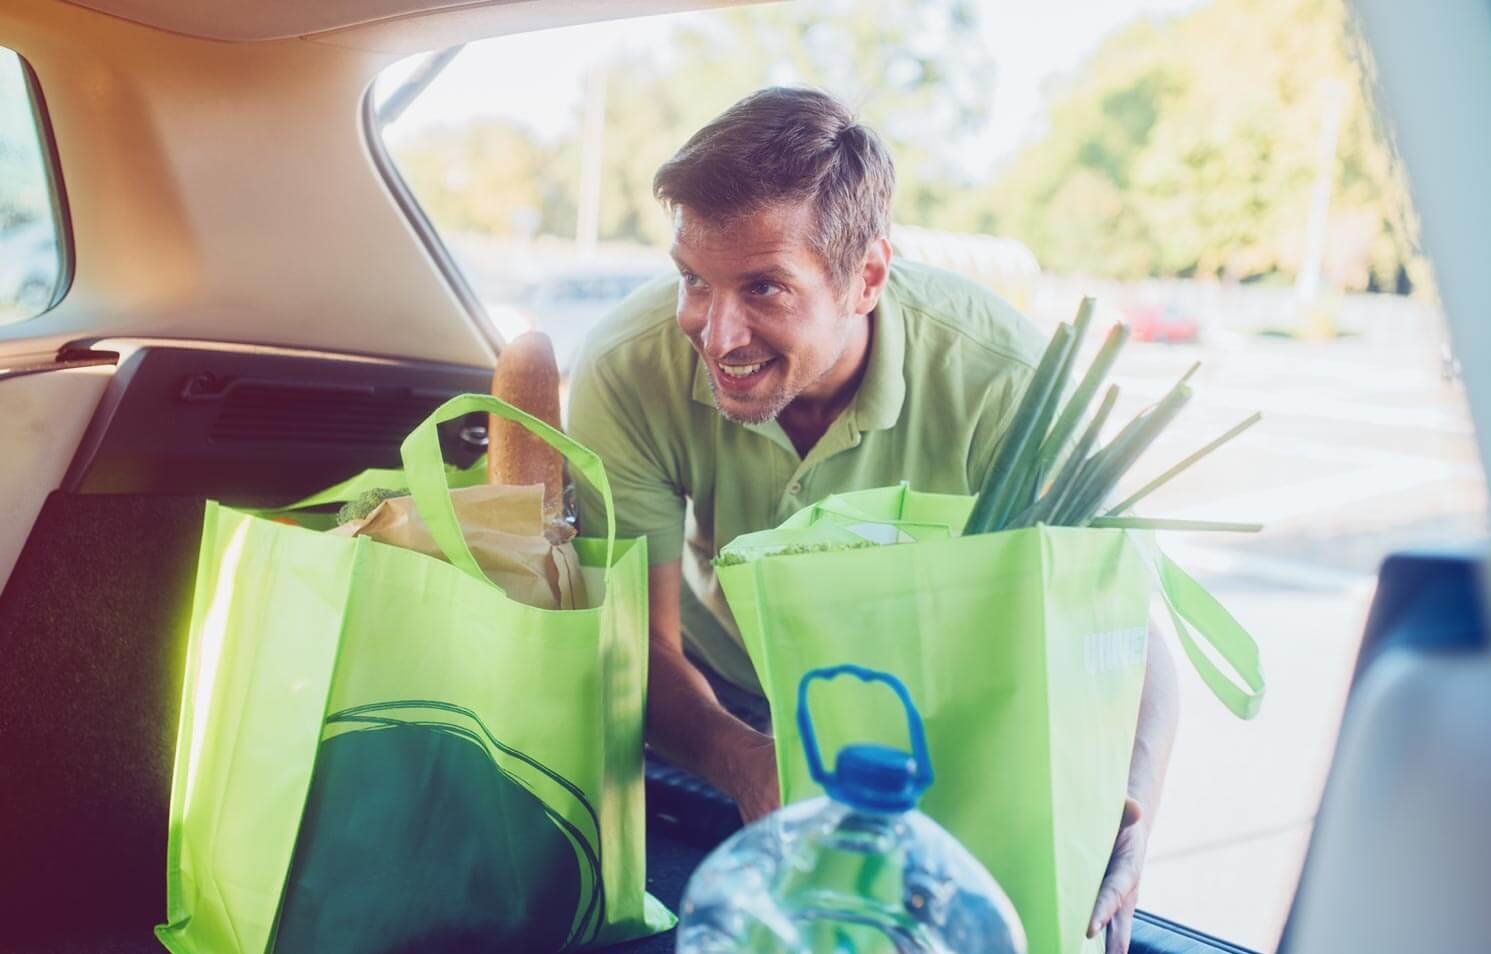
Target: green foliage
(486, 176)
(1190, 146)
(366, 503)
(916, 71)
(1181, 146)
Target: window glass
(31, 251)
(1211, 170)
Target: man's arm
(687, 724)
(1159, 710)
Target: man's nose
(725, 328)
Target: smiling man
(790, 358)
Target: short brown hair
(788, 145)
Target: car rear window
(32, 237)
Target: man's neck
(809, 417)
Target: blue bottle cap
(874, 778)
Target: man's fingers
(1121, 928)
(1123, 924)
(1102, 912)
(1110, 900)
(1120, 931)
(1123, 873)
(1122, 880)
(1116, 891)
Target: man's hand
(1120, 889)
(1153, 737)
(687, 724)
(752, 777)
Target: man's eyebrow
(773, 274)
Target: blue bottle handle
(919, 754)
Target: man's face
(759, 308)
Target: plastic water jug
(859, 871)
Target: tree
(915, 70)
(1182, 146)
(1190, 146)
(488, 176)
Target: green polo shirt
(948, 363)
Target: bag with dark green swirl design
(381, 752)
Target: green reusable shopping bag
(380, 752)
(1024, 652)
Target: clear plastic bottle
(860, 871)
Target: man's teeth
(742, 370)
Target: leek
(1015, 491)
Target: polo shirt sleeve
(607, 417)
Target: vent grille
(258, 412)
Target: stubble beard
(775, 404)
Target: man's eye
(763, 289)
(690, 280)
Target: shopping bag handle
(1192, 608)
(429, 483)
(829, 508)
(835, 508)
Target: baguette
(527, 377)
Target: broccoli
(735, 559)
(797, 548)
(365, 503)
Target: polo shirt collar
(882, 393)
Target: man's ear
(873, 275)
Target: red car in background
(1164, 323)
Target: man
(792, 358)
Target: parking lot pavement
(1363, 449)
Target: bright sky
(1031, 43)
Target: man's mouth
(742, 376)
